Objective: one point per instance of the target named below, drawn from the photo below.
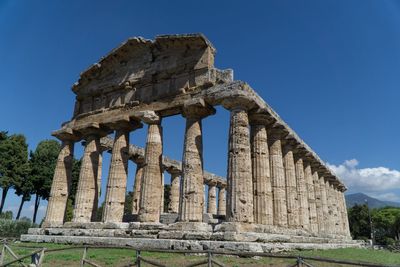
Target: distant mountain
(359, 198)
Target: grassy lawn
(124, 257)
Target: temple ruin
(277, 192)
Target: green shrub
(10, 228)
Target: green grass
(123, 257)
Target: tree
(42, 164)
(385, 224)
(360, 227)
(23, 188)
(13, 162)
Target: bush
(10, 228)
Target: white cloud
(378, 182)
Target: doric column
(175, 192)
(192, 162)
(137, 188)
(291, 187)
(87, 194)
(304, 213)
(318, 202)
(60, 186)
(331, 222)
(162, 192)
(262, 188)
(212, 198)
(221, 201)
(151, 189)
(311, 197)
(278, 177)
(324, 201)
(341, 215)
(336, 214)
(118, 173)
(239, 178)
(346, 218)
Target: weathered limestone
(240, 195)
(137, 188)
(221, 201)
(175, 192)
(262, 188)
(346, 218)
(192, 162)
(324, 201)
(87, 194)
(151, 194)
(331, 219)
(311, 197)
(304, 212)
(291, 187)
(118, 173)
(267, 181)
(318, 202)
(212, 199)
(60, 186)
(278, 177)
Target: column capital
(260, 119)
(149, 117)
(66, 134)
(123, 123)
(238, 103)
(92, 129)
(276, 133)
(197, 109)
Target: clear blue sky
(331, 69)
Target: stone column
(87, 194)
(239, 178)
(212, 198)
(175, 192)
(262, 188)
(318, 202)
(151, 189)
(324, 201)
(304, 213)
(336, 214)
(341, 215)
(162, 192)
(118, 173)
(311, 197)
(331, 222)
(291, 187)
(192, 162)
(346, 218)
(278, 177)
(221, 201)
(137, 188)
(60, 186)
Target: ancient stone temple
(277, 191)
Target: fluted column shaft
(311, 197)
(162, 193)
(87, 194)
(324, 201)
(336, 214)
(331, 221)
(240, 192)
(346, 219)
(118, 173)
(175, 193)
(318, 202)
(278, 178)
(262, 188)
(222, 201)
(60, 186)
(151, 188)
(291, 188)
(304, 213)
(137, 188)
(212, 199)
(341, 214)
(192, 204)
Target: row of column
(269, 181)
(279, 182)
